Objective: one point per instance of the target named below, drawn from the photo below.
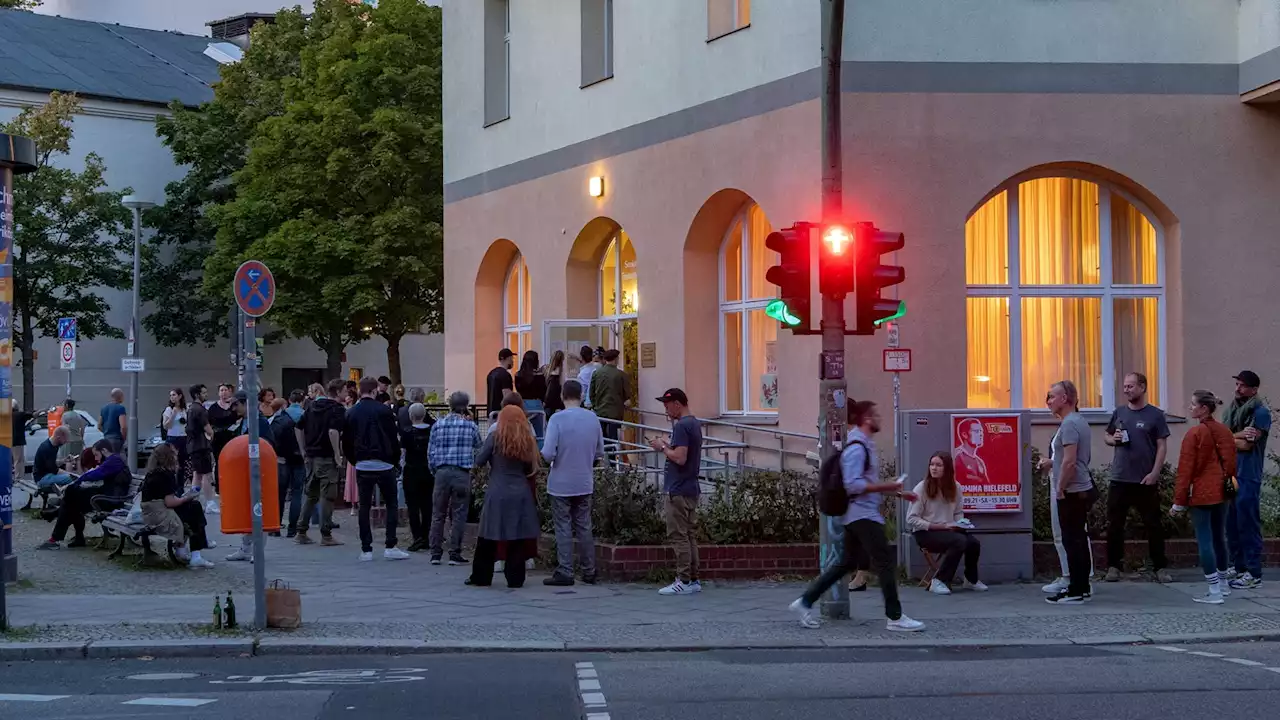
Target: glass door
(571, 335)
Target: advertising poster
(987, 451)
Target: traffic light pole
(832, 399)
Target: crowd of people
(1219, 482)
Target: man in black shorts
(200, 444)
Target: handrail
(726, 423)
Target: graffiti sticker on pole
(987, 451)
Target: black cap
(599, 351)
(242, 396)
(674, 395)
(505, 353)
(1249, 378)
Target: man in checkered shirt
(451, 454)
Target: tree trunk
(393, 358)
(28, 365)
(333, 356)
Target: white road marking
(11, 697)
(1274, 670)
(586, 673)
(163, 676)
(593, 698)
(1241, 661)
(1202, 653)
(170, 702)
(589, 689)
(588, 685)
(1170, 648)
(597, 716)
(583, 666)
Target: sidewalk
(77, 596)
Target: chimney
(236, 29)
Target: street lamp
(137, 205)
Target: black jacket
(369, 433)
(284, 440)
(415, 442)
(318, 419)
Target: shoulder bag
(1230, 486)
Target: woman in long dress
(510, 511)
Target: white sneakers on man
(366, 557)
(976, 586)
(1057, 586)
(808, 616)
(681, 588)
(904, 624)
(394, 554)
(937, 587)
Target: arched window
(1065, 282)
(517, 317)
(618, 287)
(748, 338)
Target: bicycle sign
(329, 677)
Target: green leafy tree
(70, 237)
(341, 194)
(21, 4)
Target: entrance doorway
(299, 379)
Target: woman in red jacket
(1206, 460)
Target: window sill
(762, 419)
(727, 34)
(592, 83)
(491, 123)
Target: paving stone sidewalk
(77, 595)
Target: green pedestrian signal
(902, 310)
(779, 311)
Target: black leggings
(192, 515)
(487, 554)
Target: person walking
(574, 444)
(498, 382)
(75, 422)
(554, 372)
(681, 485)
(936, 520)
(1139, 433)
(1207, 461)
(291, 466)
(419, 485)
(864, 526)
(531, 384)
(1249, 421)
(1073, 490)
(510, 512)
(371, 443)
(321, 442)
(200, 448)
(451, 454)
(113, 419)
(610, 393)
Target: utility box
(991, 452)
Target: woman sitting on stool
(936, 519)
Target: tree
(341, 194)
(69, 240)
(21, 4)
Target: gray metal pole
(132, 440)
(832, 387)
(251, 412)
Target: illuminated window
(726, 16)
(748, 338)
(1084, 301)
(619, 299)
(517, 317)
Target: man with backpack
(848, 488)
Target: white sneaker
(808, 617)
(976, 587)
(528, 564)
(212, 508)
(366, 557)
(1212, 598)
(679, 588)
(394, 554)
(695, 586)
(200, 564)
(240, 556)
(937, 587)
(212, 545)
(905, 624)
(499, 566)
(1057, 586)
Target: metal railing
(777, 441)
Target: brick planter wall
(621, 563)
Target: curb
(246, 647)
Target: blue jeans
(292, 478)
(1244, 527)
(53, 480)
(1209, 522)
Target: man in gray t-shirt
(1138, 431)
(1075, 495)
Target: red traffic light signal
(872, 277)
(791, 275)
(836, 261)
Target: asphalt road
(1065, 683)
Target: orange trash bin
(233, 487)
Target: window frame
(1107, 290)
(738, 24)
(744, 305)
(605, 71)
(519, 328)
(615, 243)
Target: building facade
(126, 77)
(1086, 189)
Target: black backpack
(833, 498)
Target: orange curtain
(1058, 238)
(988, 354)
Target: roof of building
(91, 59)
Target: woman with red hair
(510, 511)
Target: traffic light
(836, 261)
(791, 275)
(872, 277)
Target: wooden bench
(133, 533)
(28, 485)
